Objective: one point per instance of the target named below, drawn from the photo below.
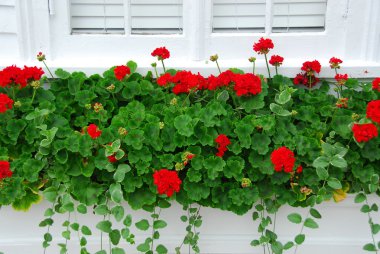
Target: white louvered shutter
(97, 16)
(299, 15)
(156, 16)
(238, 15)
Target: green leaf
(144, 247)
(115, 236)
(288, 245)
(101, 210)
(321, 162)
(370, 247)
(283, 97)
(214, 166)
(299, 239)
(159, 224)
(142, 225)
(132, 66)
(85, 230)
(120, 172)
(60, 73)
(277, 247)
(260, 143)
(117, 251)
(104, 226)
(315, 213)
(127, 221)
(295, 218)
(338, 161)
(310, 223)
(161, 249)
(116, 192)
(223, 96)
(375, 228)
(334, 183)
(365, 209)
(82, 209)
(322, 173)
(360, 197)
(118, 212)
(185, 125)
(279, 110)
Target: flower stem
(254, 65)
(34, 94)
(309, 82)
(266, 61)
(48, 69)
(155, 70)
(276, 70)
(163, 65)
(217, 64)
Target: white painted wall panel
(343, 230)
(8, 30)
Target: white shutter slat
(299, 15)
(156, 16)
(97, 16)
(238, 15)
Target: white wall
(343, 230)
(27, 27)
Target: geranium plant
(234, 142)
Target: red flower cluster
(364, 132)
(5, 103)
(121, 71)
(276, 60)
(342, 103)
(13, 75)
(263, 46)
(5, 170)
(373, 111)
(376, 84)
(341, 79)
(311, 66)
(93, 131)
(161, 53)
(283, 158)
(167, 182)
(307, 77)
(223, 141)
(185, 82)
(246, 84)
(335, 63)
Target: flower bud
(179, 166)
(294, 112)
(252, 59)
(88, 106)
(111, 87)
(214, 58)
(41, 57)
(173, 102)
(306, 190)
(154, 65)
(187, 156)
(35, 84)
(246, 182)
(336, 89)
(354, 116)
(122, 131)
(162, 125)
(17, 104)
(98, 107)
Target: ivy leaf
(85, 230)
(321, 162)
(144, 247)
(315, 213)
(283, 97)
(322, 173)
(369, 247)
(118, 212)
(359, 198)
(338, 161)
(277, 247)
(104, 226)
(288, 245)
(142, 225)
(115, 236)
(310, 223)
(121, 170)
(334, 183)
(161, 249)
(299, 239)
(279, 110)
(117, 251)
(116, 192)
(295, 218)
(159, 224)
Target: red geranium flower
(376, 84)
(299, 169)
(112, 158)
(311, 66)
(373, 111)
(93, 131)
(334, 63)
(13, 75)
(5, 103)
(32, 73)
(342, 103)
(364, 132)
(167, 182)
(165, 79)
(161, 53)
(263, 46)
(276, 60)
(341, 78)
(185, 82)
(304, 79)
(246, 84)
(121, 71)
(283, 158)
(223, 141)
(5, 170)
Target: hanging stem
(303, 226)
(163, 65)
(48, 69)
(67, 229)
(370, 223)
(266, 61)
(217, 64)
